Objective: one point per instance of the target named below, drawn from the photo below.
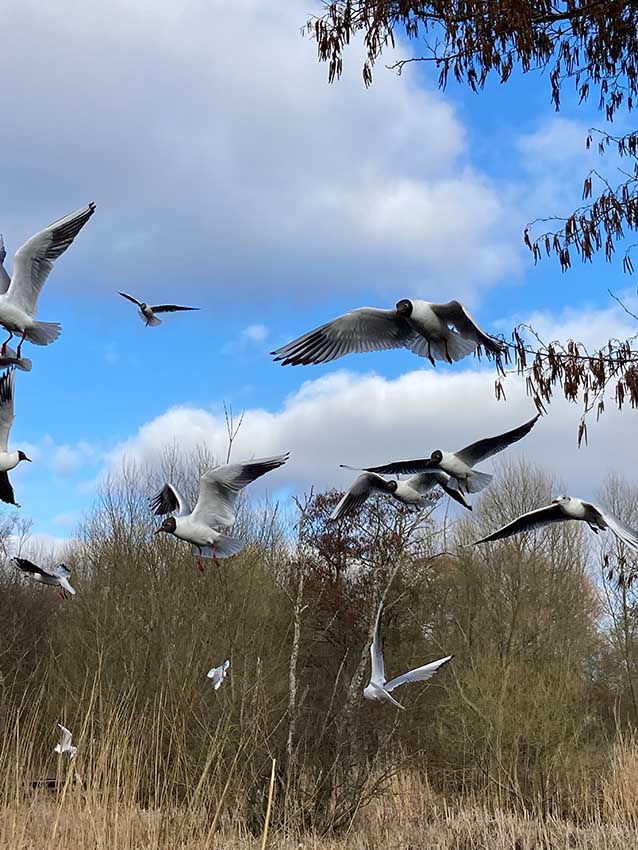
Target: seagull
(458, 465)
(563, 509)
(218, 674)
(377, 688)
(31, 267)
(218, 492)
(421, 326)
(65, 743)
(147, 313)
(57, 577)
(8, 460)
(413, 491)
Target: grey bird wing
(527, 522)
(377, 671)
(623, 532)
(130, 298)
(482, 449)
(5, 280)
(34, 260)
(66, 737)
(7, 416)
(361, 488)
(361, 330)
(425, 481)
(169, 499)
(399, 467)
(29, 567)
(419, 674)
(170, 308)
(220, 487)
(458, 315)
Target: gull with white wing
(219, 489)
(218, 674)
(459, 465)
(8, 460)
(415, 491)
(31, 266)
(57, 577)
(436, 331)
(377, 688)
(564, 509)
(147, 313)
(65, 746)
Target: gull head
(392, 486)
(561, 500)
(168, 526)
(436, 456)
(22, 456)
(404, 308)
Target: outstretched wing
(482, 449)
(130, 298)
(6, 490)
(354, 498)
(5, 280)
(364, 329)
(220, 487)
(527, 522)
(398, 467)
(623, 532)
(66, 737)
(169, 499)
(29, 567)
(34, 260)
(170, 308)
(377, 675)
(458, 315)
(420, 674)
(7, 417)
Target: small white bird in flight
(421, 326)
(219, 489)
(218, 674)
(564, 509)
(65, 745)
(377, 688)
(458, 465)
(56, 577)
(31, 267)
(8, 460)
(147, 313)
(414, 491)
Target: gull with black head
(8, 460)
(57, 577)
(147, 313)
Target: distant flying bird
(147, 313)
(377, 688)
(564, 509)
(218, 674)
(458, 465)
(219, 489)
(65, 743)
(31, 267)
(8, 460)
(415, 491)
(421, 326)
(56, 577)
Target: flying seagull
(218, 492)
(218, 674)
(415, 491)
(147, 313)
(458, 465)
(563, 509)
(57, 577)
(8, 460)
(421, 326)
(65, 745)
(377, 688)
(31, 267)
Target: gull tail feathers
(476, 481)
(225, 547)
(153, 322)
(43, 333)
(456, 349)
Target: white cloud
(218, 153)
(255, 333)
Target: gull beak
(157, 530)
(27, 458)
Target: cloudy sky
(229, 175)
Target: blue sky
(229, 175)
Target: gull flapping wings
(458, 315)
(419, 674)
(34, 260)
(130, 298)
(169, 499)
(482, 449)
(361, 488)
(218, 674)
(220, 487)
(534, 519)
(170, 308)
(5, 280)
(360, 330)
